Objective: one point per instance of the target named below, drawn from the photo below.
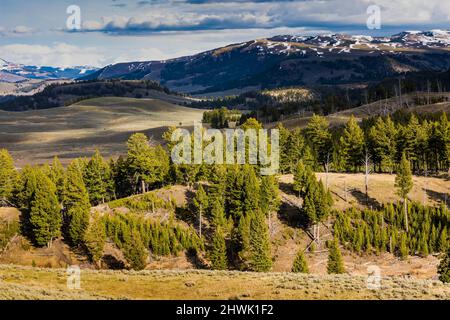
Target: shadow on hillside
(112, 262)
(288, 188)
(293, 216)
(366, 201)
(187, 214)
(440, 197)
(194, 259)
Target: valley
(77, 130)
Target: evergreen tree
(300, 265)
(148, 165)
(251, 189)
(382, 143)
(259, 244)
(45, 216)
(319, 137)
(57, 175)
(295, 150)
(404, 184)
(200, 204)
(270, 197)
(218, 252)
(76, 204)
(95, 238)
(301, 175)
(403, 249)
(352, 143)
(335, 262)
(444, 268)
(135, 251)
(97, 177)
(8, 176)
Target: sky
(36, 32)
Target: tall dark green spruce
(97, 177)
(135, 252)
(300, 265)
(57, 175)
(200, 203)
(444, 268)
(218, 251)
(259, 244)
(8, 176)
(404, 184)
(335, 262)
(45, 213)
(76, 205)
(95, 239)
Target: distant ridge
(288, 60)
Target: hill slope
(77, 130)
(290, 60)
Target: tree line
(378, 143)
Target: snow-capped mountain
(287, 60)
(13, 72)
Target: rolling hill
(77, 130)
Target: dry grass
(102, 123)
(348, 189)
(37, 283)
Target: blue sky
(35, 32)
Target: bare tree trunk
(143, 186)
(367, 172)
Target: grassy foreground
(39, 283)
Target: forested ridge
(232, 205)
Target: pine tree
(352, 142)
(335, 262)
(45, 215)
(295, 149)
(135, 251)
(259, 244)
(404, 184)
(301, 175)
(8, 176)
(97, 177)
(444, 268)
(148, 165)
(76, 204)
(442, 244)
(270, 198)
(403, 249)
(218, 252)
(57, 175)
(95, 238)
(251, 190)
(200, 204)
(300, 265)
(319, 137)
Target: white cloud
(60, 54)
(23, 30)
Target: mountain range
(14, 73)
(288, 60)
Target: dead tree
(367, 171)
